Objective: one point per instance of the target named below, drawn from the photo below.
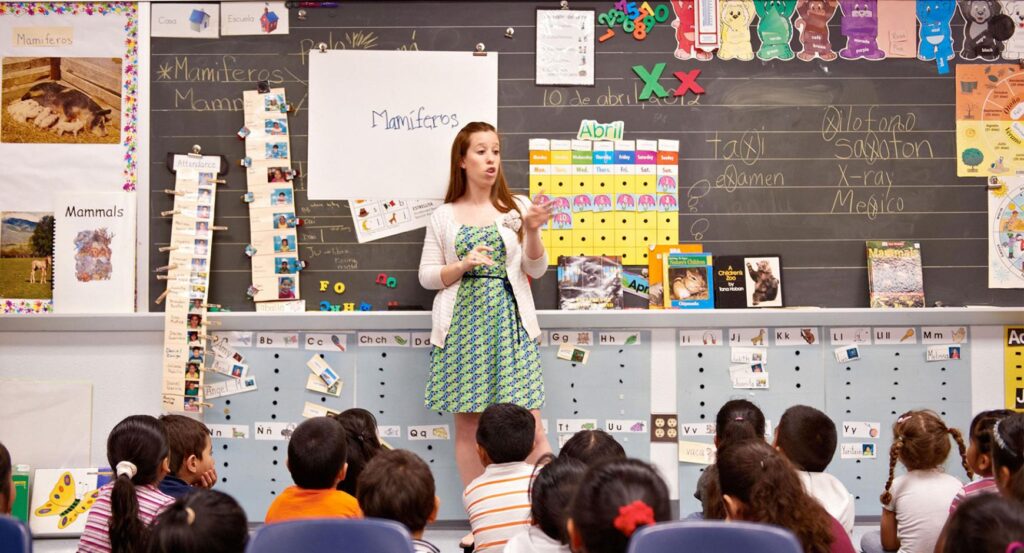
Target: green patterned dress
(487, 357)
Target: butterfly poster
(61, 499)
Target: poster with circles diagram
(1006, 233)
(989, 120)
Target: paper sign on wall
(358, 119)
(189, 20)
(253, 18)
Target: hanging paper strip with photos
(188, 282)
(273, 245)
(610, 198)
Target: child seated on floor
(316, 461)
(807, 437)
(397, 485)
(191, 456)
(498, 501)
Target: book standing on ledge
(894, 274)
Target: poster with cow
(61, 100)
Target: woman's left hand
(537, 215)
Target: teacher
(481, 245)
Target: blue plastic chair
(713, 537)
(332, 536)
(14, 536)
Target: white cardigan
(439, 250)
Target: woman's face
(482, 159)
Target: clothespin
(164, 249)
(166, 268)
(160, 298)
(170, 212)
(173, 192)
(218, 228)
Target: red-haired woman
(481, 245)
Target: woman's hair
(1008, 453)
(363, 444)
(204, 521)
(6, 490)
(920, 440)
(136, 448)
(738, 420)
(986, 523)
(554, 484)
(592, 447)
(614, 500)
(764, 480)
(501, 196)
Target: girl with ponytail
(759, 484)
(614, 500)
(915, 505)
(119, 520)
(204, 521)
(1008, 456)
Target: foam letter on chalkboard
(936, 37)
(651, 84)
(687, 82)
(775, 28)
(736, 16)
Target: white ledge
(549, 319)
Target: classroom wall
(123, 367)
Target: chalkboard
(805, 160)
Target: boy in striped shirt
(498, 501)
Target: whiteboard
(381, 123)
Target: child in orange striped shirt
(498, 501)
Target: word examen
(415, 119)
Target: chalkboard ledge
(549, 319)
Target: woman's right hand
(480, 255)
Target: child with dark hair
(737, 420)
(362, 444)
(397, 485)
(808, 438)
(316, 461)
(592, 447)
(987, 523)
(554, 484)
(206, 521)
(915, 505)
(119, 520)
(191, 456)
(498, 501)
(760, 485)
(1008, 456)
(614, 500)
(979, 456)
(6, 484)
